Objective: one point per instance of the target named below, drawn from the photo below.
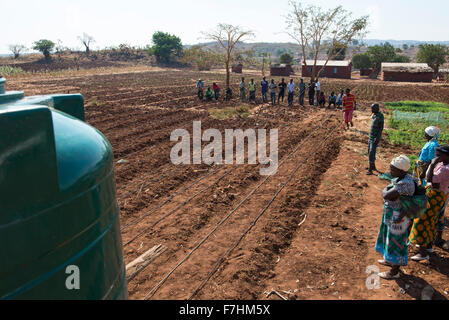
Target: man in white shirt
(291, 92)
(318, 89)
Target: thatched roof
(406, 67)
(330, 63)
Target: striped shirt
(348, 102)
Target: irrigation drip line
(174, 195)
(173, 210)
(154, 289)
(168, 200)
(179, 206)
(228, 252)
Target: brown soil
(261, 242)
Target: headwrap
(433, 132)
(402, 163)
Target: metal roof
(330, 63)
(405, 67)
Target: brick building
(281, 70)
(237, 68)
(406, 72)
(333, 69)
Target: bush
(8, 70)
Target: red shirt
(216, 87)
(348, 102)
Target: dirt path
(334, 248)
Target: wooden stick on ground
(135, 267)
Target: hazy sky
(112, 22)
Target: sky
(133, 22)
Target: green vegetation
(384, 53)
(433, 54)
(286, 58)
(411, 132)
(230, 112)
(8, 70)
(362, 61)
(45, 47)
(166, 47)
(94, 102)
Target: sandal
(384, 263)
(388, 276)
(419, 257)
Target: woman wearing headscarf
(392, 241)
(427, 153)
(424, 229)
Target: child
(332, 99)
(209, 94)
(322, 99)
(216, 91)
(340, 99)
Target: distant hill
(276, 49)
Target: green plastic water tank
(59, 218)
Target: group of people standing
(414, 204)
(211, 94)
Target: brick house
(237, 68)
(333, 69)
(406, 72)
(281, 70)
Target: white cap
(402, 163)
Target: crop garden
(199, 217)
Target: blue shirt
(264, 85)
(428, 152)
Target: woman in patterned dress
(424, 230)
(392, 241)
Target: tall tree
(312, 27)
(228, 36)
(86, 40)
(381, 53)
(433, 54)
(166, 47)
(17, 50)
(362, 61)
(45, 47)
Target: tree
(228, 36)
(266, 60)
(45, 47)
(338, 51)
(312, 26)
(433, 54)
(381, 53)
(166, 46)
(405, 46)
(362, 61)
(203, 58)
(17, 50)
(86, 40)
(402, 59)
(286, 58)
